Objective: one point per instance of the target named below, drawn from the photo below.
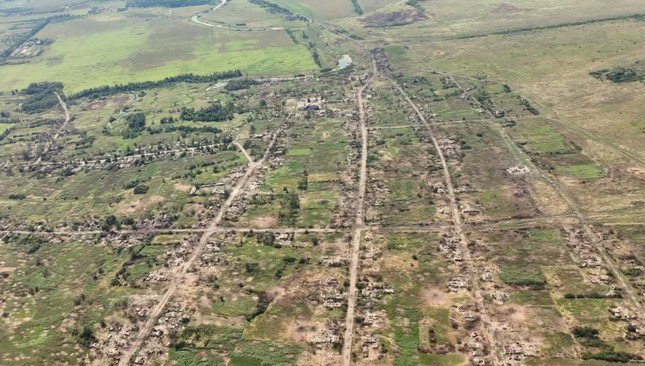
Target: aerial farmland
(342, 182)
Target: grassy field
(474, 225)
(99, 51)
(554, 72)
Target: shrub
(610, 355)
(141, 189)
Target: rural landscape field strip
(486, 327)
(573, 206)
(296, 182)
(183, 269)
(354, 265)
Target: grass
(45, 287)
(522, 274)
(240, 351)
(441, 360)
(542, 138)
(581, 171)
(5, 126)
(132, 52)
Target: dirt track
(359, 225)
(182, 270)
(243, 150)
(486, 330)
(195, 19)
(570, 202)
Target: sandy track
(570, 202)
(564, 219)
(243, 150)
(182, 270)
(359, 225)
(458, 227)
(195, 19)
(57, 132)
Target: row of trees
(40, 96)
(107, 90)
(165, 3)
(277, 9)
(216, 112)
(239, 84)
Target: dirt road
(486, 328)
(569, 201)
(243, 150)
(359, 225)
(57, 132)
(195, 19)
(63, 105)
(182, 270)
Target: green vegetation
(415, 4)
(357, 7)
(621, 74)
(217, 339)
(165, 3)
(146, 187)
(21, 39)
(581, 171)
(41, 96)
(213, 113)
(522, 274)
(133, 52)
(103, 91)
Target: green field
(469, 190)
(90, 53)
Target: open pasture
(123, 48)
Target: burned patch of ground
(503, 8)
(393, 19)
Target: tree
(111, 221)
(304, 181)
(136, 121)
(141, 189)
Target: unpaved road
(181, 271)
(566, 219)
(486, 328)
(60, 128)
(195, 19)
(569, 201)
(359, 225)
(65, 110)
(243, 150)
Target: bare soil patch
(182, 187)
(264, 222)
(437, 299)
(396, 18)
(503, 8)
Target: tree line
(22, 39)
(277, 9)
(165, 3)
(106, 90)
(216, 112)
(40, 96)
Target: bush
(141, 189)
(585, 332)
(610, 355)
(86, 337)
